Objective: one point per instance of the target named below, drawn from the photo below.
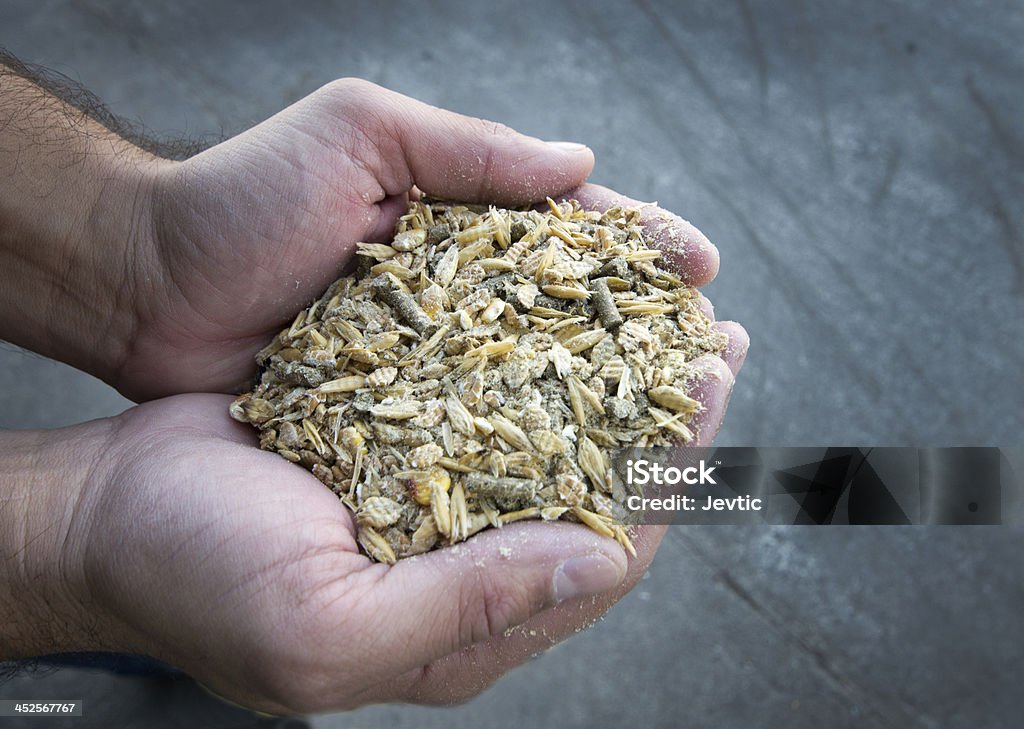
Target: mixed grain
(481, 369)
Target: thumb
(435, 604)
(402, 142)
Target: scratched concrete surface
(859, 165)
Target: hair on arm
(88, 104)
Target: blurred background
(859, 165)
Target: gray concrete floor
(859, 164)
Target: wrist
(117, 255)
(74, 218)
(47, 489)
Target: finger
(712, 387)
(465, 673)
(706, 306)
(688, 251)
(736, 348)
(403, 142)
(435, 604)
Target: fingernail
(569, 147)
(591, 574)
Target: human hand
(164, 277)
(182, 540)
(402, 633)
(238, 581)
(248, 232)
(243, 570)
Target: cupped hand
(240, 567)
(243, 570)
(247, 233)
(242, 236)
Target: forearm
(44, 500)
(73, 205)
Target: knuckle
(494, 129)
(488, 607)
(370, 120)
(350, 88)
(361, 104)
(491, 140)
